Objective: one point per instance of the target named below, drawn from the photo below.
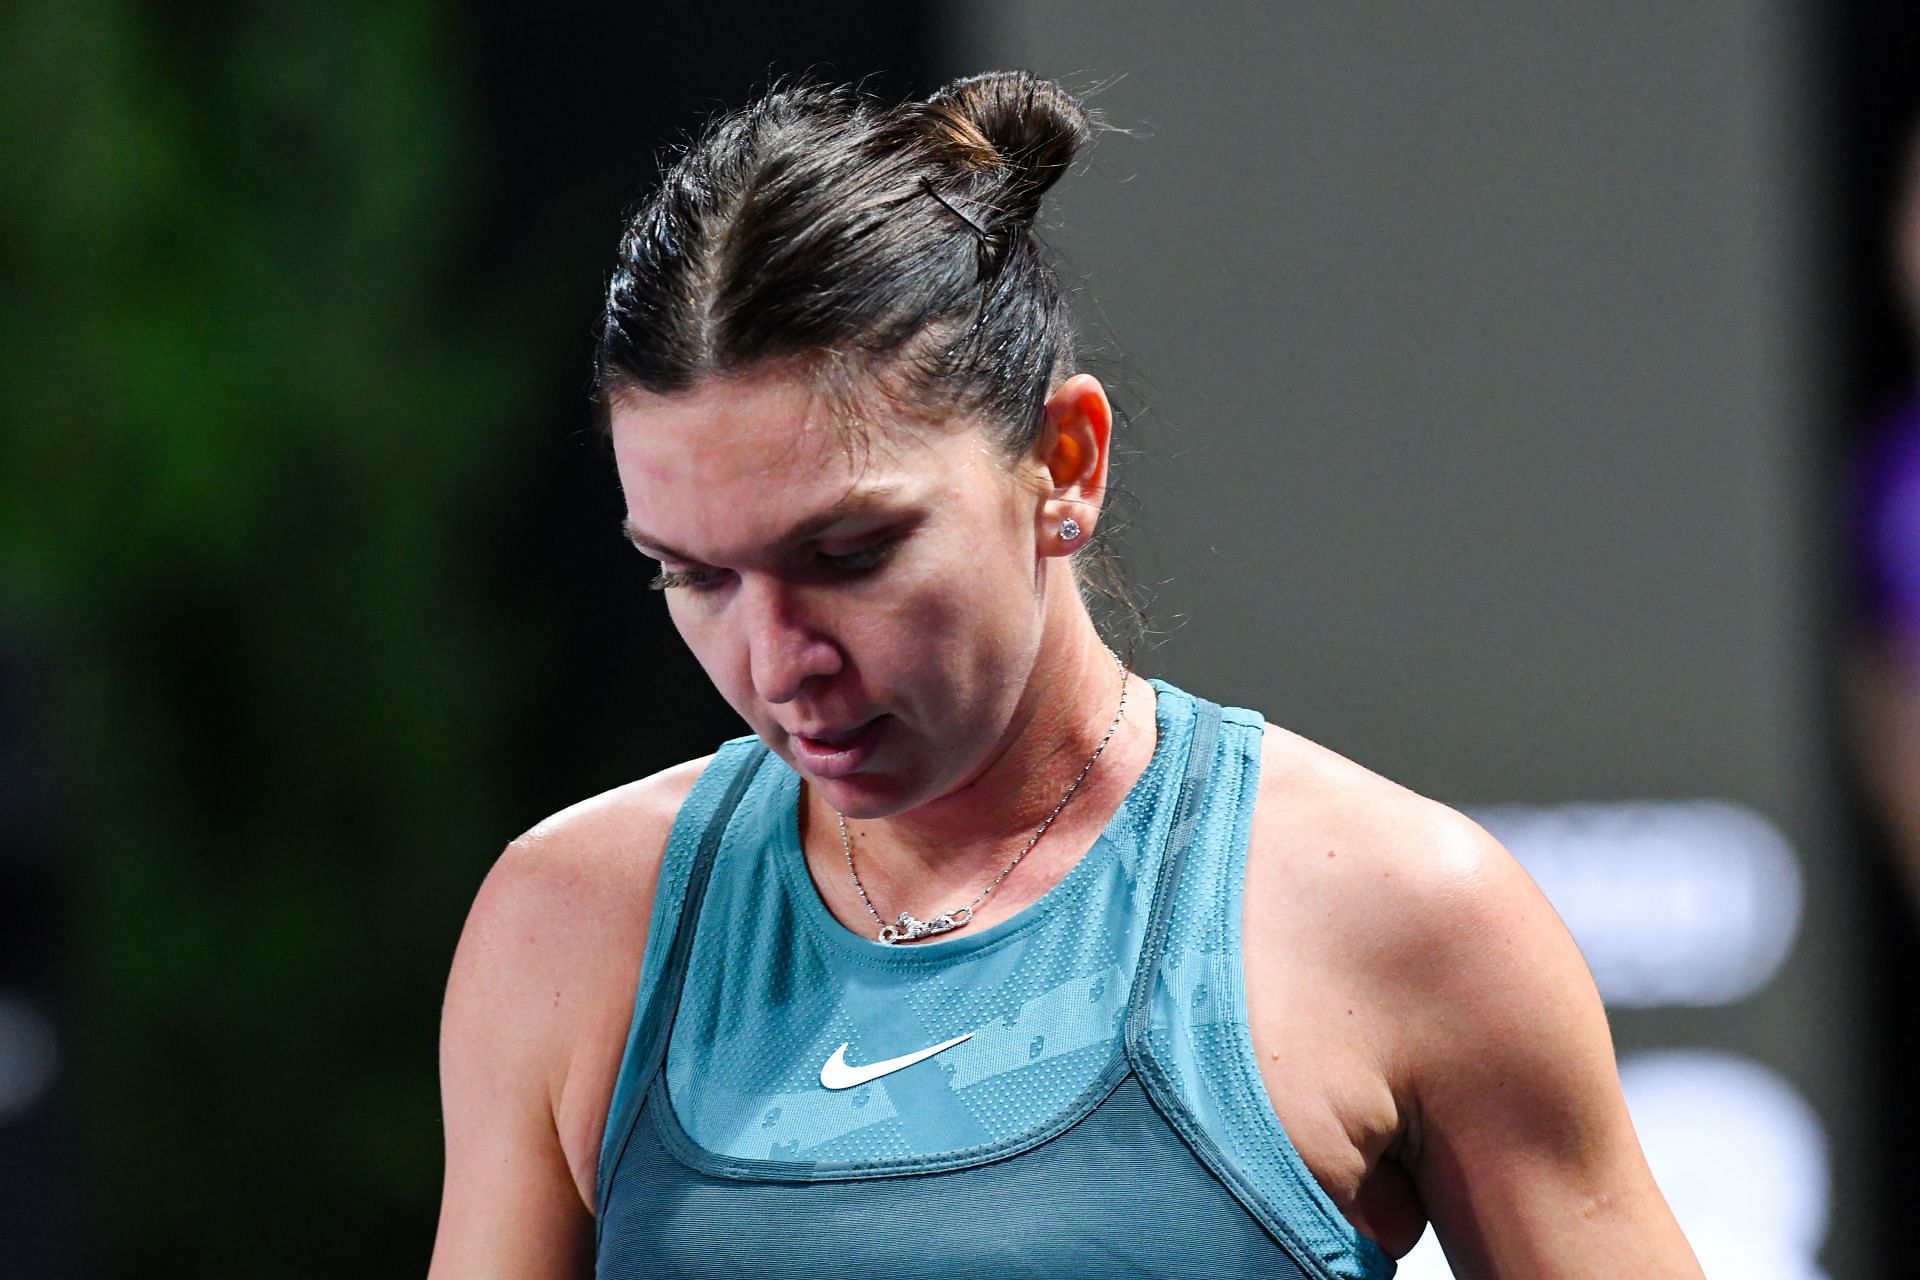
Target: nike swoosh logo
(836, 1074)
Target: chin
(858, 797)
(864, 796)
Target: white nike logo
(836, 1074)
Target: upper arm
(536, 1012)
(1519, 1139)
(509, 1206)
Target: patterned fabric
(1102, 1124)
(782, 983)
(1197, 1041)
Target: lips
(836, 752)
(832, 737)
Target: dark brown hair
(876, 248)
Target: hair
(871, 248)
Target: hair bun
(1033, 126)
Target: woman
(980, 954)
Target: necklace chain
(905, 927)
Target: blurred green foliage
(251, 397)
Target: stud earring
(1069, 529)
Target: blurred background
(1520, 401)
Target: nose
(785, 646)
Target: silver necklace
(905, 927)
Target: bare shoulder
(607, 844)
(1387, 862)
(537, 1006)
(1456, 1033)
(1407, 903)
(571, 884)
(560, 923)
(1361, 896)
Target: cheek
(968, 615)
(720, 653)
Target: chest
(1323, 1089)
(1265, 1034)
(1117, 1193)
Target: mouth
(833, 753)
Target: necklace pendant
(906, 927)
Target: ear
(1073, 443)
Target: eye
(689, 579)
(866, 558)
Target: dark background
(311, 594)
(1876, 110)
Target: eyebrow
(855, 502)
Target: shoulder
(1374, 852)
(530, 1030)
(542, 981)
(605, 842)
(1449, 1023)
(1458, 974)
(574, 877)
(1409, 906)
(566, 888)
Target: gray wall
(1472, 355)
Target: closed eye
(676, 579)
(849, 564)
(866, 558)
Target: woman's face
(875, 618)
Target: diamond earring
(1069, 529)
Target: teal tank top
(1097, 1110)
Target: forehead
(724, 433)
(731, 463)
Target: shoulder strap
(1186, 817)
(1257, 1164)
(648, 1044)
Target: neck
(952, 847)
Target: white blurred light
(1740, 1156)
(29, 1056)
(1686, 903)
